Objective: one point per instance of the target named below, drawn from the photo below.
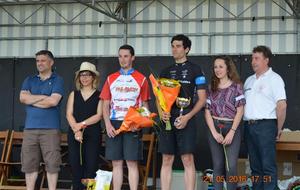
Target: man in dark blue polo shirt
(42, 94)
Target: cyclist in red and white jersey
(122, 89)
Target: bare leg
(189, 171)
(52, 180)
(30, 180)
(166, 171)
(133, 173)
(117, 174)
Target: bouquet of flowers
(137, 118)
(165, 92)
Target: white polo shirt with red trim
(125, 90)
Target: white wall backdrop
(214, 26)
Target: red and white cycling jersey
(123, 91)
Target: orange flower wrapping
(166, 92)
(135, 120)
(170, 95)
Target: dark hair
(232, 72)
(45, 52)
(128, 47)
(187, 43)
(266, 51)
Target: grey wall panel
(7, 92)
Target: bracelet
(233, 129)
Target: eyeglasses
(85, 74)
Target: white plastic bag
(283, 184)
(103, 180)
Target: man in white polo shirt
(264, 116)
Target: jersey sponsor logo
(185, 81)
(124, 99)
(184, 73)
(200, 80)
(173, 74)
(120, 109)
(126, 89)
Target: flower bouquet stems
(80, 149)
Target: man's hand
(166, 116)
(278, 134)
(110, 130)
(182, 121)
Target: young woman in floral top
(224, 110)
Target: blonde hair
(95, 85)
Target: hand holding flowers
(136, 119)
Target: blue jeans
(261, 143)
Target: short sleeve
(26, 84)
(145, 92)
(200, 80)
(58, 86)
(208, 100)
(105, 92)
(278, 89)
(239, 99)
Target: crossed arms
(40, 101)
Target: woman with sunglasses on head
(84, 112)
(223, 113)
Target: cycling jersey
(125, 90)
(190, 77)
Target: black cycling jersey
(190, 77)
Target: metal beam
(293, 7)
(147, 21)
(101, 11)
(14, 3)
(211, 34)
(126, 11)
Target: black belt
(223, 121)
(31, 129)
(253, 122)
